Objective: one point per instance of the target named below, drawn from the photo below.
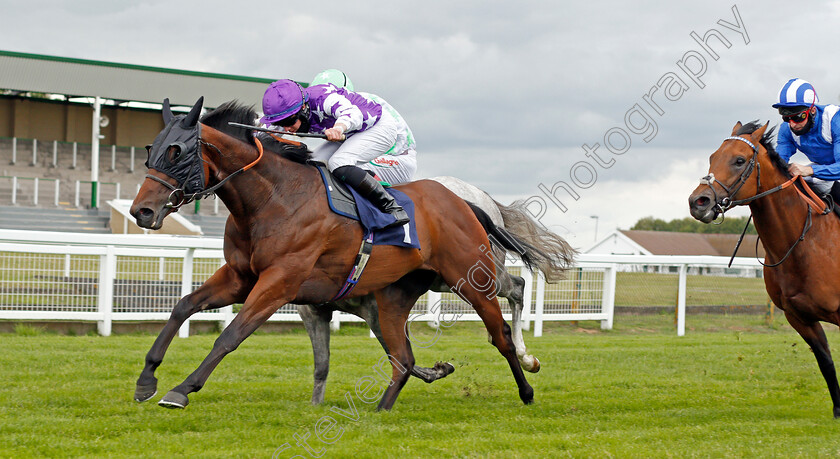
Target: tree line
(730, 225)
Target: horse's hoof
(530, 364)
(174, 400)
(444, 369)
(145, 392)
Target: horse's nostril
(701, 201)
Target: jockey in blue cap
(359, 131)
(812, 129)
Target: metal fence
(106, 278)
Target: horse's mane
(766, 141)
(239, 113)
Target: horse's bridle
(178, 197)
(726, 203)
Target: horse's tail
(539, 249)
(554, 254)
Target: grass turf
(632, 392)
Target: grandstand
(48, 136)
(50, 190)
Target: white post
(227, 311)
(57, 186)
(113, 158)
(528, 296)
(186, 288)
(14, 189)
(117, 191)
(34, 152)
(55, 153)
(681, 301)
(538, 319)
(215, 205)
(67, 265)
(78, 186)
(433, 308)
(335, 323)
(14, 151)
(107, 273)
(94, 152)
(35, 193)
(75, 154)
(131, 163)
(608, 297)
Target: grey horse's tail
(538, 248)
(551, 254)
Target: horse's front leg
(224, 287)
(272, 290)
(814, 335)
(316, 319)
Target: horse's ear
(192, 116)
(167, 112)
(735, 129)
(759, 133)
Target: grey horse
(316, 318)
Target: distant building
(630, 242)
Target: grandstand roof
(124, 82)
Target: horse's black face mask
(176, 152)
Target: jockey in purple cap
(358, 129)
(814, 130)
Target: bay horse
(316, 318)
(799, 234)
(283, 245)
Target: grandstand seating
(55, 161)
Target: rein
(178, 198)
(726, 203)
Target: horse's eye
(740, 161)
(174, 154)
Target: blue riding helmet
(797, 93)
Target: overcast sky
(501, 94)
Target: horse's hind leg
(395, 302)
(513, 289)
(814, 335)
(476, 284)
(368, 311)
(316, 319)
(221, 289)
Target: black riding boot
(835, 196)
(373, 191)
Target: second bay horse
(799, 233)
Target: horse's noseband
(726, 202)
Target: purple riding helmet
(283, 99)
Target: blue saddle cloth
(344, 201)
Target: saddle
(832, 198)
(346, 202)
(338, 195)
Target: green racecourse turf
(731, 387)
